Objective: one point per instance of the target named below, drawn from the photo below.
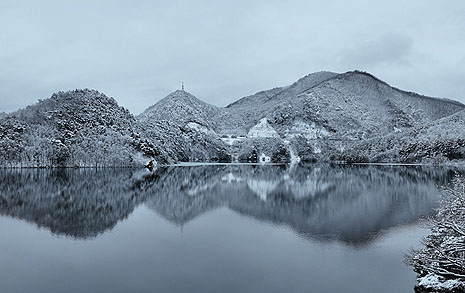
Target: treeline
(81, 128)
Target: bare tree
(444, 253)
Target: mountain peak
(180, 97)
(79, 96)
(360, 73)
(316, 76)
(180, 106)
(180, 94)
(77, 92)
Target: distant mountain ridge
(318, 116)
(323, 116)
(315, 92)
(297, 87)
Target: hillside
(249, 110)
(183, 143)
(351, 106)
(279, 94)
(182, 123)
(342, 110)
(76, 128)
(323, 116)
(317, 116)
(439, 141)
(181, 107)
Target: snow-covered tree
(441, 263)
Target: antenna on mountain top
(183, 86)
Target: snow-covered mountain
(182, 143)
(75, 128)
(319, 115)
(181, 107)
(323, 116)
(352, 105)
(182, 123)
(348, 107)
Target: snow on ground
(230, 139)
(262, 129)
(294, 157)
(142, 160)
(200, 128)
(432, 281)
(264, 158)
(316, 149)
(309, 131)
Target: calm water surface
(214, 228)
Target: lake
(214, 228)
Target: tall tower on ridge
(183, 86)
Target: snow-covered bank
(434, 283)
(441, 264)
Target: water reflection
(325, 203)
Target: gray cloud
(138, 52)
(390, 49)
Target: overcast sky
(140, 51)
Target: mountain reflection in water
(352, 204)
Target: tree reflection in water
(352, 204)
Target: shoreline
(190, 164)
